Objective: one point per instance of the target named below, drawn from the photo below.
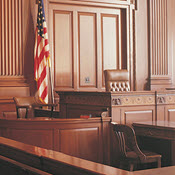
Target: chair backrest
(24, 101)
(24, 105)
(127, 140)
(117, 80)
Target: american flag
(41, 54)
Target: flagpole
(51, 85)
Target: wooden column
(161, 70)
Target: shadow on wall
(29, 41)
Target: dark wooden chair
(25, 105)
(129, 149)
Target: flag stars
(40, 19)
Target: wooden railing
(47, 161)
(52, 161)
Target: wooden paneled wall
(15, 52)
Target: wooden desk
(158, 136)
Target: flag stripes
(41, 54)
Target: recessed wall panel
(87, 49)
(110, 42)
(110, 46)
(134, 116)
(171, 114)
(63, 48)
(80, 142)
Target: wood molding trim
(6, 100)
(13, 81)
(130, 100)
(95, 2)
(160, 80)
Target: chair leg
(17, 112)
(51, 112)
(131, 167)
(30, 112)
(123, 165)
(159, 163)
(26, 112)
(120, 166)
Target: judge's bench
(123, 107)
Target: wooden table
(158, 136)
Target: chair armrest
(50, 104)
(41, 105)
(24, 106)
